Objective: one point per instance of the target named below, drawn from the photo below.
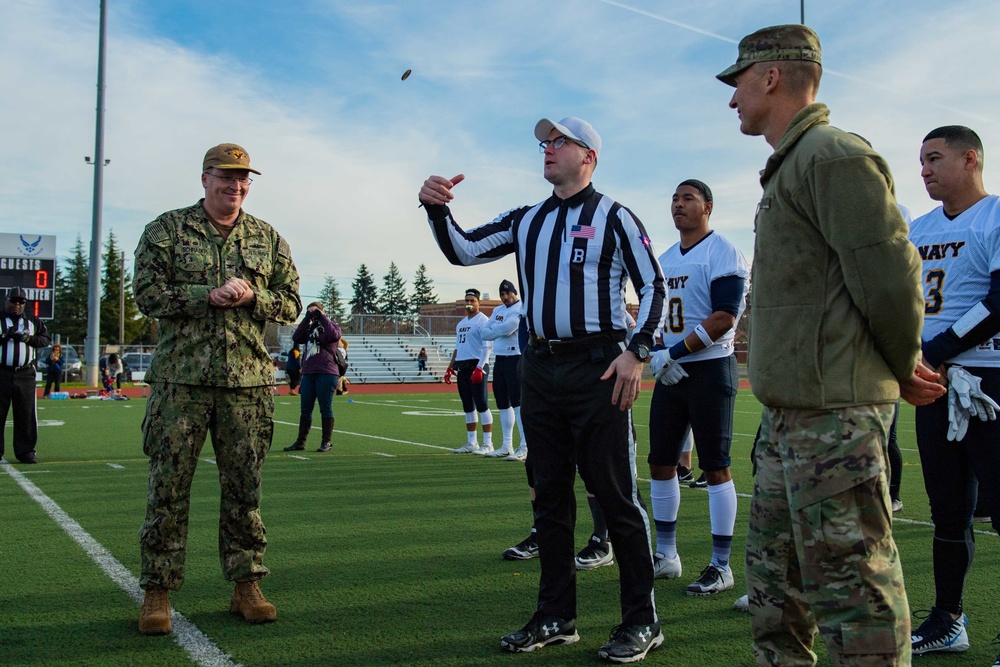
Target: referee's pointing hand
(437, 190)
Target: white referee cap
(574, 128)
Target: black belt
(15, 369)
(576, 344)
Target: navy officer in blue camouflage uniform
(575, 250)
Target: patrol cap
(507, 286)
(227, 156)
(574, 128)
(779, 42)
(472, 291)
(16, 293)
(706, 192)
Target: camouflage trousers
(178, 417)
(820, 555)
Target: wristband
(702, 335)
(679, 350)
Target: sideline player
(502, 331)
(574, 252)
(835, 336)
(697, 382)
(470, 362)
(960, 245)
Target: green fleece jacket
(836, 305)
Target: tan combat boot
(155, 616)
(249, 602)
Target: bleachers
(389, 359)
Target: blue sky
(312, 89)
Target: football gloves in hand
(477, 376)
(966, 399)
(665, 368)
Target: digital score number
(37, 277)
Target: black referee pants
(572, 425)
(17, 388)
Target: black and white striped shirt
(573, 258)
(18, 354)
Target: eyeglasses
(235, 180)
(558, 143)
(18, 302)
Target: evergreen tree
(365, 299)
(70, 316)
(423, 290)
(330, 297)
(392, 296)
(111, 292)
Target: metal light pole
(92, 345)
(121, 304)
(802, 12)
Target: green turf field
(384, 551)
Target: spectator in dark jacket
(317, 336)
(53, 370)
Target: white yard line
(199, 647)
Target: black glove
(19, 336)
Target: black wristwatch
(640, 351)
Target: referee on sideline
(579, 381)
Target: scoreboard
(28, 261)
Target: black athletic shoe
(524, 550)
(995, 642)
(597, 553)
(699, 483)
(940, 633)
(632, 643)
(684, 474)
(540, 631)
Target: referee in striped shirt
(574, 252)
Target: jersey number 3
(934, 300)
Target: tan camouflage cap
(779, 42)
(227, 156)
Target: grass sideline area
(384, 551)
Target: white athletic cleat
(666, 568)
(466, 449)
(520, 454)
(484, 450)
(742, 604)
(501, 453)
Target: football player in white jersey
(502, 330)
(959, 243)
(470, 362)
(707, 278)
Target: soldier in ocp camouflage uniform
(213, 276)
(835, 332)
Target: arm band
(727, 294)
(978, 324)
